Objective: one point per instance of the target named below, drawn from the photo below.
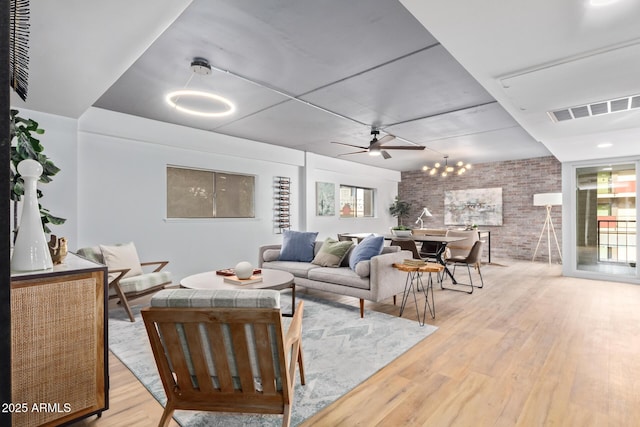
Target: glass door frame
(569, 213)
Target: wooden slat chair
(225, 351)
(124, 285)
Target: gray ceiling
(305, 73)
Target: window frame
(359, 211)
(207, 193)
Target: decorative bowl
(401, 233)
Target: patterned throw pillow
(332, 253)
(298, 246)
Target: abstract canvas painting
(325, 199)
(481, 206)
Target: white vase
(243, 270)
(30, 251)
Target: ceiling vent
(596, 109)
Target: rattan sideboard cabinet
(59, 364)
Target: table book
(231, 271)
(234, 280)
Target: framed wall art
(325, 199)
(481, 206)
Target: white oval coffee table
(271, 279)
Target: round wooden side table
(414, 282)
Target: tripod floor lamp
(547, 200)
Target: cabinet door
(58, 336)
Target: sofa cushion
(363, 268)
(298, 246)
(298, 269)
(271, 255)
(122, 256)
(332, 253)
(365, 250)
(340, 276)
(347, 256)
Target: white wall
(338, 171)
(122, 191)
(60, 145)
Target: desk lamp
(425, 212)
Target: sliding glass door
(606, 218)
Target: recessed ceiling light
(173, 98)
(605, 145)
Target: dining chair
(407, 245)
(428, 250)
(342, 237)
(472, 259)
(461, 248)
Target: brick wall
(519, 179)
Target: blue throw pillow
(298, 246)
(365, 250)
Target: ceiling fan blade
(376, 143)
(404, 147)
(354, 152)
(385, 154)
(350, 145)
(386, 138)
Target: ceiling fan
(376, 148)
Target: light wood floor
(530, 349)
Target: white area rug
(341, 350)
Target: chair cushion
(230, 298)
(332, 252)
(365, 250)
(143, 282)
(122, 256)
(298, 246)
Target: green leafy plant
(400, 209)
(400, 227)
(27, 146)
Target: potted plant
(400, 209)
(27, 146)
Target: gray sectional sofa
(375, 280)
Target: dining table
(441, 242)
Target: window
(356, 202)
(197, 193)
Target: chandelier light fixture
(196, 102)
(446, 169)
